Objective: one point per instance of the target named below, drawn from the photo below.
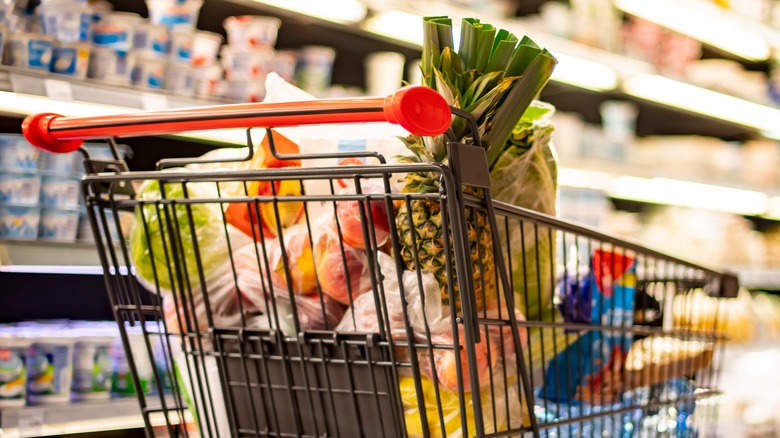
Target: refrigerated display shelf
(759, 279)
(93, 417)
(44, 256)
(66, 88)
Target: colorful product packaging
(605, 297)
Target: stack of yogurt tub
(40, 193)
(20, 189)
(56, 362)
(250, 55)
(67, 24)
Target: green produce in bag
(524, 173)
(170, 235)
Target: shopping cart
(306, 327)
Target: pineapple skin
(421, 232)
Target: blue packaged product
(70, 59)
(582, 371)
(19, 221)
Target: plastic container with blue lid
(60, 191)
(16, 153)
(19, 222)
(59, 224)
(20, 186)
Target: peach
(503, 333)
(339, 273)
(447, 371)
(300, 263)
(348, 213)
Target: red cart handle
(419, 110)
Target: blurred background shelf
(77, 418)
(49, 257)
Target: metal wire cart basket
(301, 301)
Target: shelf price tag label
(58, 90)
(30, 423)
(151, 101)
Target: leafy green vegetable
(174, 250)
(525, 173)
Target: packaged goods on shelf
(30, 50)
(252, 31)
(174, 12)
(149, 73)
(14, 357)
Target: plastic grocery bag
(236, 163)
(187, 312)
(193, 234)
(343, 271)
(502, 408)
(382, 138)
(362, 315)
(315, 311)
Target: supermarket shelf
(579, 65)
(17, 256)
(647, 186)
(24, 92)
(714, 25)
(754, 278)
(76, 418)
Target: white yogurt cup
(283, 63)
(244, 91)
(149, 73)
(116, 31)
(121, 378)
(17, 153)
(13, 370)
(174, 12)
(207, 80)
(68, 22)
(60, 191)
(111, 66)
(246, 64)
(20, 187)
(152, 40)
(179, 79)
(315, 65)
(28, 50)
(49, 370)
(205, 47)
(71, 59)
(100, 10)
(252, 31)
(19, 221)
(92, 367)
(182, 38)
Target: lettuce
(175, 252)
(525, 174)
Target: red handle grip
(419, 110)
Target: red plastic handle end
(36, 130)
(419, 110)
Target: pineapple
(494, 77)
(421, 232)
